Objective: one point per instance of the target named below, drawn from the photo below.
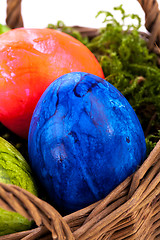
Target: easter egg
(30, 59)
(84, 140)
(14, 170)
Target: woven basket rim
(141, 189)
(130, 211)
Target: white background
(39, 13)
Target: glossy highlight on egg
(30, 59)
(84, 140)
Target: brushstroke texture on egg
(84, 140)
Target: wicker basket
(131, 211)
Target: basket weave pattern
(131, 211)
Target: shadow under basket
(130, 211)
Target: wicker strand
(14, 17)
(38, 210)
(113, 218)
(150, 7)
(154, 155)
(131, 211)
(152, 21)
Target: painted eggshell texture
(84, 139)
(30, 59)
(14, 169)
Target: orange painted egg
(30, 59)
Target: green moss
(129, 66)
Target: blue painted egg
(84, 140)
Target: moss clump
(130, 67)
(127, 64)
